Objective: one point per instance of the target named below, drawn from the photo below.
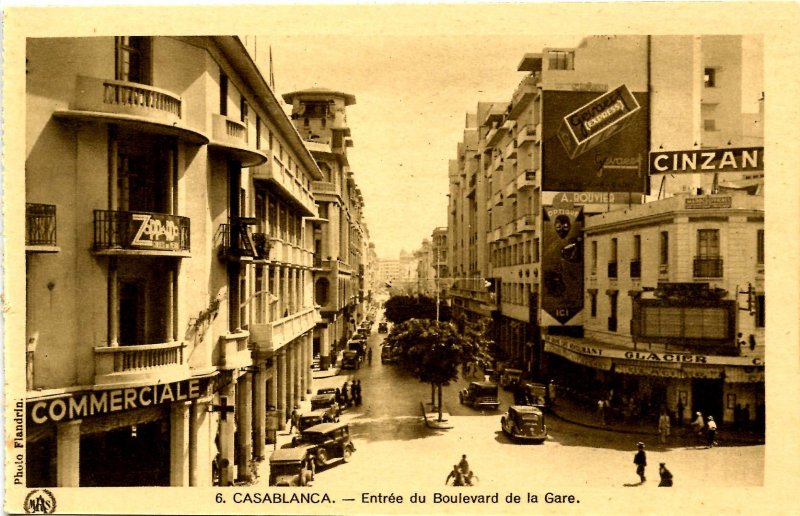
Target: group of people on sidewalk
(349, 395)
(640, 459)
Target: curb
(432, 419)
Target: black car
(524, 423)
(327, 442)
(480, 395)
(291, 467)
(327, 403)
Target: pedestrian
(711, 431)
(338, 396)
(464, 465)
(357, 392)
(666, 476)
(601, 411)
(295, 419)
(640, 459)
(458, 478)
(551, 391)
(663, 427)
(698, 424)
(345, 395)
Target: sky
(412, 95)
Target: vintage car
(524, 423)
(357, 344)
(291, 467)
(388, 354)
(510, 377)
(480, 395)
(383, 327)
(350, 360)
(327, 403)
(529, 393)
(327, 442)
(326, 390)
(316, 417)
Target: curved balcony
(230, 137)
(279, 177)
(139, 106)
(234, 350)
(141, 233)
(270, 337)
(140, 364)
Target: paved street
(395, 448)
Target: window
(561, 60)
(223, 94)
(243, 110)
(708, 243)
(709, 125)
(760, 247)
(612, 262)
(258, 132)
(593, 303)
(612, 319)
(710, 77)
(613, 250)
(664, 249)
(636, 262)
(133, 59)
(594, 258)
(761, 311)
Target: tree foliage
(400, 309)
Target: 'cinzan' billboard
(738, 159)
(594, 143)
(562, 261)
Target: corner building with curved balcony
(169, 311)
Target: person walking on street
(345, 395)
(711, 432)
(666, 476)
(464, 465)
(295, 418)
(357, 392)
(663, 427)
(458, 478)
(640, 459)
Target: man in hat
(666, 476)
(712, 431)
(640, 459)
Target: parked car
(383, 327)
(523, 422)
(326, 390)
(357, 344)
(534, 394)
(509, 378)
(350, 360)
(291, 467)
(480, 395)
(327, 442)
(326, 402)
(316, 417)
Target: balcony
(526, 90)
(612, 270)
(229, 136)
(235, 242)
(140, 364)
(636, 269)
(278, 176)
(234, 350)
(509, 229)
(270, 337)
(525, 223)
(707, 267)
(526, 179)
(511, 150)
(324, 187)
(40, 228)
(526, 134)
(130, 104)
(141, 233)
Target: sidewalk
(572, 412)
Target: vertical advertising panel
(594, 142)
(562, 261)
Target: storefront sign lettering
(154, 228)
(96, 403)
(665, 357)
(706, 203)
(597, 198)
(708, 160)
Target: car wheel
(322, 457)
(347, 453)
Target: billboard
(562, 261)
(738, 159)
(594, 142)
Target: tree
(400, 309)
(433, 350)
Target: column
(169, 305)
(272, 392)
(260, 405)
(291, 370)
(200, 444)
(244, 422)
(179, 444)
(309, 358)
(298, 301)
(68, 456)
(226, 428)
(113, 302)
(284, 290)
(324, 349)
(297, 348)
(280, 388)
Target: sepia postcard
(473, 258)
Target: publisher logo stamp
(40, 501)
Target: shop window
(133, 59)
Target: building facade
(573, 143)
(340, 239)
(170, 319)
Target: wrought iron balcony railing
(236, 241)
(139, 230)
(40, 224)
